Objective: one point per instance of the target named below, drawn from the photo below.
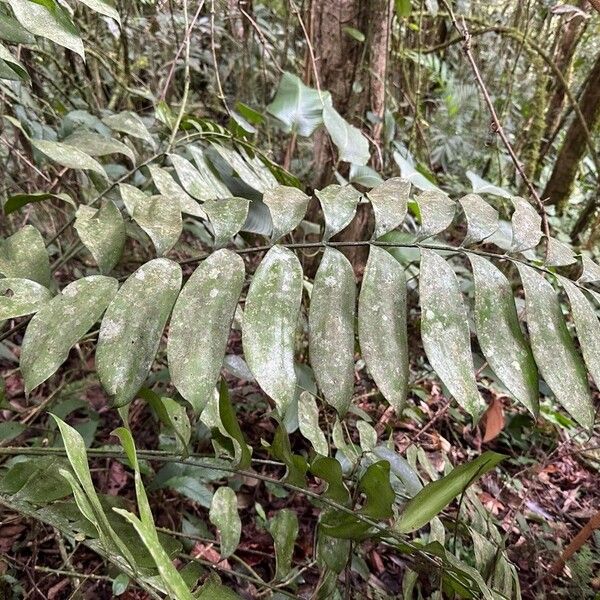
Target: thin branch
(213, 49)
(313, 60)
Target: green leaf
(295, 463)
(308, 420)
(382, 325)
(400, 467)
(403, 8)
(102, 232)
(23, 256)
(60, 324)
(200, 325)
(224, 516)
(435, 496)
(330, 471)
(103, 8)
(215, 187)
(95, 144)
(297, 106)
(192, 180)
(339, 205)
(132, 327)
(445, 332)
(13, 32)
(159, 216)
(167, 186)
(553, 348)
(390, 204)
(120, 584)
(17, 201)
(500, 336)
(526, 226)
(212, 588)
(287, 206)
(15, 65)
(558, 254)
(129, 123)
(481, 186)
(68, 156)
(331, 329)
(20, 297)
(352, 145)
(54, 25)
(437, 213)
(270, 320)
(226, 217)
(283, 527)
(9, 430)
(482, 218)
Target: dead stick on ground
(466, 46)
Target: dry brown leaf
(494, 420)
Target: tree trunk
(565, 169)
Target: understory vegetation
(299, 299)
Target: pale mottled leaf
(481, 186)
(132, 327)
(558, 254)
(352, 145)
(382, 329)
(587, 326)
(526, 226)
(553, 348)
(192, 180)
(246, 172)
(331, 329)
(437, 213)
(95, 144)
(68, 156)
(445, 332)
(482, 218)
(270, 319)
(38, 20)
(367, 436)
(591, 271)
(390, 203)
(167, 186)
(217, 189)
(339, 205)
(160, 217)
(23, 255)
(60, 324)
(308, 420)
(13, 32)
(224, 516)
(102, 232)
(13, 63)
(103, 8)
(499, 333)
(20, 297)
(283, 527)
(287, 206)
(129, 123)
(226, 217)
(409, 172)
(200, 326)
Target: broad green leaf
(13, 32)
(558, 254)
(13, 63)
(331, 329)
(586, 324)
(591, 271)
(54, 25)
(330, 471)
(270, 320)
(365, 176)
(435, 496)
(60, 324)
(481, 186)
(367, 436)
(102, 232)
(445, 332)
(308, 420)
(553, 348)
(23, 255)
(224, 516)
(132, 327)
(409, 172)
(499, 333)
(283, 527)
(103, 8)
(160, 217)
(390, 203)
(297, 106)
(167, 186)
(68, 156)
(482, 219)
(200, 326)
(400, 467)
(192, 180)
(129, 123)
(352, 145)
(382, 328)
(212, 589)
(339, 205)
(96, 144)
(255, 174)
(216, 188)
(17, 201)
(9, 430)
(403, 8)
(526, 226)
(437, 213)
(226, 217)
(296, 464)
(20, 297)
(287, 206)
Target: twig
(466, 46)
(213, 49)
(311, 51)
(262, 37)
